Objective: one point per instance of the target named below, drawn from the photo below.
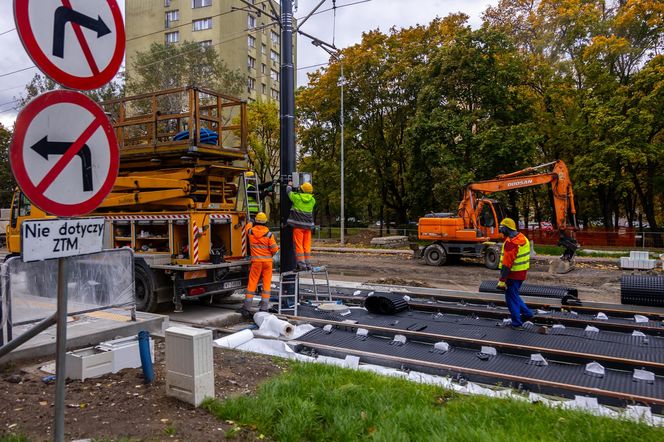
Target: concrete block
(389, 241)
(189, 364)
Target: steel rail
(545, 303)
(483, 311)
(565, 355)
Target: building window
(200, 3)
(274, 37)
(263, 48)
(264, 89)
(167, 3)
(202, 24)
(205, 43)
(251, 62)
(251, 21)
(251, 84)
(172, 37)
(172, 16)
(274, 75)
(274, 56)
(251, 41)
(263, 68)
(275, 94)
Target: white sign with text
(58, 238)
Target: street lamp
(341, 83)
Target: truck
(180, 199)
(473, 230)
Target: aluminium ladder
(255, 193)
(288, 303)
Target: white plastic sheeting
(272, 327)
(94, 281)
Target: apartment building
(246, 40)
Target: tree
(166, 66)
(263, 140)
(383, 78)
(40, 84)
(7, 182)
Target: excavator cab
(489, 214)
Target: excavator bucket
(561, 266)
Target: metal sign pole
(61, 351)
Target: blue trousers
(515, 304)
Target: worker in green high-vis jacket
(301, 219)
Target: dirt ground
(596, 280)
(119, 406)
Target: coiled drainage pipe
(642, 290)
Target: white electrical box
(189, 364)
(87, 363)
(125, 352)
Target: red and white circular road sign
(64, 153)
(78, 43)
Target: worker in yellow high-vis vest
(514, 264)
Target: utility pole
(287, 134)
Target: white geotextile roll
(235, 340)
(270, 325)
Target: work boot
(245, 310)
(301, 266)
(264, 305)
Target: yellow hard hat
(307, 188)
(261, 218)
(249, 174)
(509, 223)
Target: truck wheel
(435, 255)
(491, 257)
(146, 297)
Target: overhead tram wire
(240, 34)
(7, 32)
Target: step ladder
(251, 182)
(320, 281)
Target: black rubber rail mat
(569, 344)
(549, 316)
(385, 303)
(611, 386)
(642, 290)
(541, 291)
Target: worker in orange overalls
(263, 247)
(301, 219)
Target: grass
(315, 402)
(13, 438)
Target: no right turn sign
(79, 44)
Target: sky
(351, 21)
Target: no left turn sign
(78, 43)
(64, 153)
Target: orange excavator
(473, 230)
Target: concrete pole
(287, 127)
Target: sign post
(64, 154)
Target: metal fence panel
(95, 282)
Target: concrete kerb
(88, 330)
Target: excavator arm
(563, 197)
(558, 177)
